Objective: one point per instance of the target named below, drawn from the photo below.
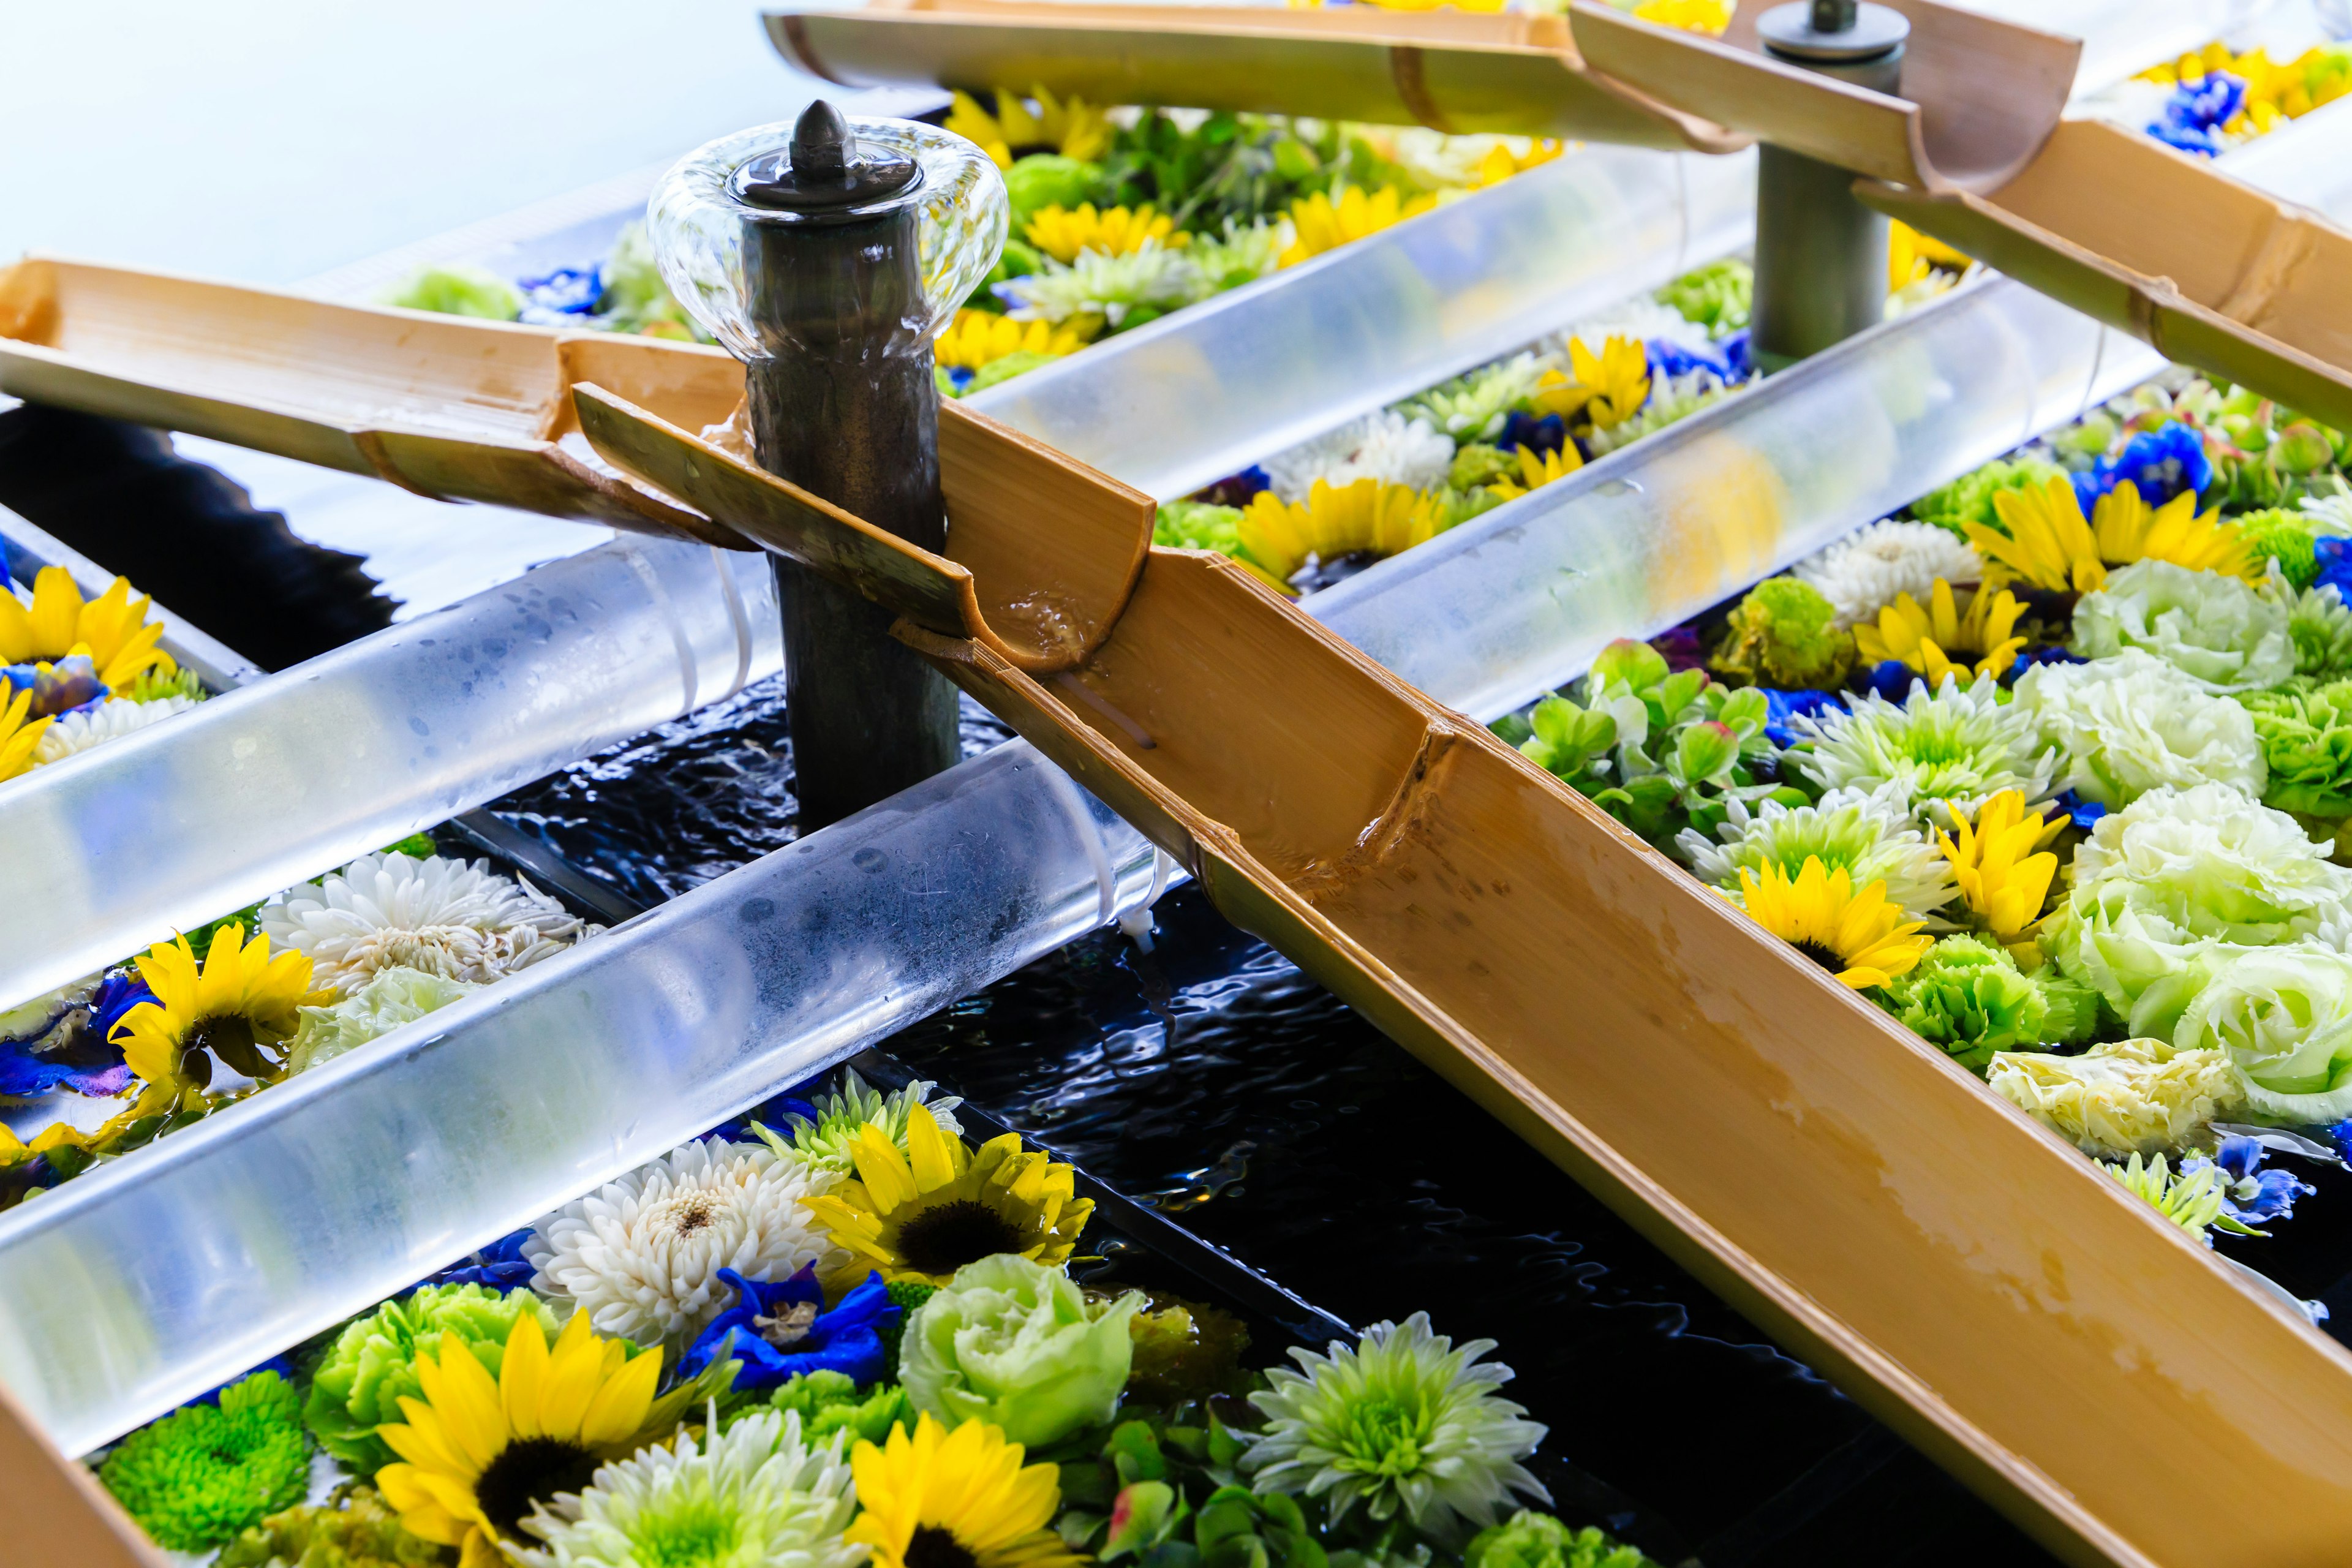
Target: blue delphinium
(64, 687)
(782, 1329)
(2193, 117)
(1726, 360)
(498, 1267)
(1549, 433)
(2082, 814)
(2334, 559)
(2251, 1194)
(2159, 463)
(563, 294)
(1782, 705)
(72, 1050)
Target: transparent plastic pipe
(294, 774)
(143, 1284)
(1210, 390)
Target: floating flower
(1869, 569)
(1784, 635)
(111, 631)
(2320, 626)
(1385, 445)
(830, 1402)
(782, 1330)
(1477, 406)
(1940, 753)
(927, 1212)
(2003, 879)
(1708, 16)
(357, 1532)
(826, 1137)
(1319, 224)
(1237, 255)
(388, 999)
(1925, 639)
(241, 1004)
(19, 740)
(1071, 127)
(643, 1257)
(201, 1474)
(78, 732)
(1911, 255)
(1402, 1423)
(479, 1454)
(937, 1498)
(2221, 632)
(2305, 731)
(1869, 838)
(436, 914)
(2160, 465)
(61, 1040)
(1532, 1539)
(60, 687)
(2132, 723)
(1062, 232)
(758, 1495)
(1366, 517)
(1860, 938)
(2050, 546)
(1018, 1345)
(2128, 1097)
(1534, 472)
(1607, 388)
(2191, 1200)
(1718, 296)
(1142, 284)
(976, 338)
(372, 1366)
(2283, 1016)
(1968, 997)
(2249, 1194)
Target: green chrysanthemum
(2306, 729)
(823, 1144)
(828, 1402)
(1198, 525)
(361, 1533)
(755, 1495)
(1533, 1539)
(1717, 296)
(2286, 537)
(372, 1363)
(2320, 625)
(1847, 831)
(1404, 1423)
(1785, 634)
(196, 1477)
(906, 1295)
(1938, 753)
(2192, 1200)
(1967, 996)
(1123, 290)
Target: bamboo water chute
(1959, 1270)
(2146, 239)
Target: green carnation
(829, 1402)
(196, 1477)
(1785, 634)
(1198, 525)
(391, 997)
(361, 1533)
(2306, 729)
(1717, 296)
(372, 1363)
(1968, 997)
(458, 291)
(2320, 625)
(2221, 632)
(2286, 537)
(1969, 497)
(1532, 1539)
(1015, 1343)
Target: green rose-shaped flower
(2133, 723)
(1532, 1539)
(2284, 1017)
(2221, 631)
(1015, 1343)
(373, 1361)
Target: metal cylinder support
(844, 403)
(1821, 254)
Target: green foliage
(372, 1363)
(1785, 634)
(1967, 996)
(1968, 499)
(2263, 455)
(1184, 1351)
(1043, 180)
(458, 291)
(1237, 167)
(205, 1472)
(2306, 729)
(417, 847)
(1167, 1493)
(1717, 296)
(1198, 525)
(1532, 1539)
(361, 1533)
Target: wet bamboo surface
(1964, 1273)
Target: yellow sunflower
(1062, 232)
(976, 338)
(1911, 255)
(1368, 517)
(1928, 639)
(1607, 388)
(2128, 531)
(1318, 223)
(1500, 163)
(112, 630)
(1071, 127)
(2050, 545)
(1712, 17)
(1862, 938)
(18, 740)
(2001, 878)
(241, 1004)
(925, 1214)
(1537, 472)
(475, 1453)
(956, 1499)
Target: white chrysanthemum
(110, 720)
(1402, 1421)
(1870, 836)
(1934, 754)
(641, 1256)
(1385, 445)
(2133, 722)
(755, 1495)
(1864, 573)
(438, 914)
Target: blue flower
(566, 291)
(1782, 705)
(2193, 117)
(70, 1049)
(1726, 360)
(1549, 433)
(2081, 812)
(1892, 679)
(57, 688)
(2249, 1194)
(779, 1330)
(2160, 464)
(2334, 566)
(498, 1267)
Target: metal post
(1821, 255)
(844, 406)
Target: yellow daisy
(1927, 639)
(1607, 388)
(1537, 472)
(1911, 256)
(112, 630)
(1318, 223)
(925, 1214)
(2049, 545)
(1062, 232)
(2002, 879)
(979, 338)
(476, 1454)
(1860, 938)
(241, 1004)
(18, 740)
(1370, 517)
(937, 1498)
(1073, 128)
